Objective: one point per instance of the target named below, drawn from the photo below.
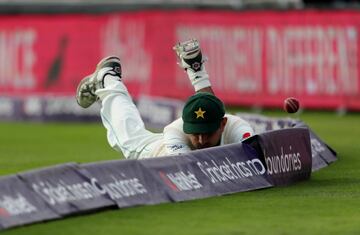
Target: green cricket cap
(202, 113)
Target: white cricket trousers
(125, 129)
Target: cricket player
(203, 123)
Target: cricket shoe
(190, 55)
(85, 92)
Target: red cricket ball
(291, 105)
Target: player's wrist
(200, 85)
(199, 79)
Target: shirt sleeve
(237, 130)
(176, 141)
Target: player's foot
(85, 92)
(189, 54)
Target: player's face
(201, 141)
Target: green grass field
(327, 204)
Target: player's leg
(192, 61)
(125, 129)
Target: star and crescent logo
(200, 113)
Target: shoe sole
(78, 97)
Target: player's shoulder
(178, 124)
(233, 119)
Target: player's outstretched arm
(192, 61)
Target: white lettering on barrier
(184, 181)
(119, 188)
(17, 205)
(229, 170)
(286, 162)
(61, 192)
